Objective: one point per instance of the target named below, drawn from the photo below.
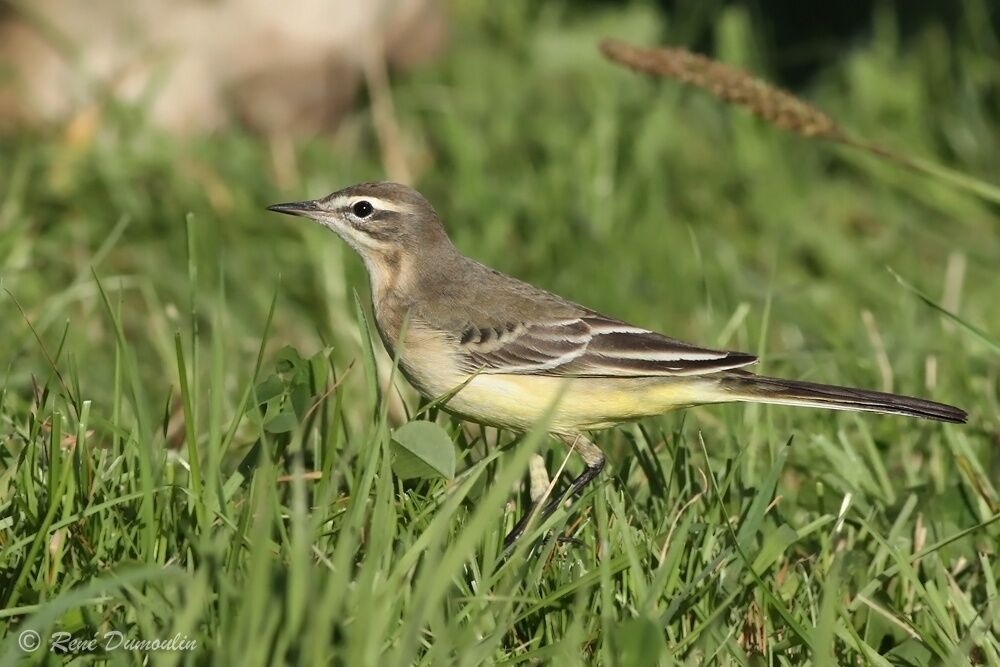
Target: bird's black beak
(303, 208)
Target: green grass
(196, 435)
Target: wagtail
(513, 351)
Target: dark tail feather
(754, 388)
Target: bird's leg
(592, 457)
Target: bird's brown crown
(375, 216)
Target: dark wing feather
(589, 345)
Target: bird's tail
(743, 386)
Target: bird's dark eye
(362, 208)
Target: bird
(508, 354)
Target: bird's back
(464, 292)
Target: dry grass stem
(730, 84)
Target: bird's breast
(427, 359)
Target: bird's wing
(588, 345)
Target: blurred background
(638, 197)
(140, 142)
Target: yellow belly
(572, 404)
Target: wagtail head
(375, 218)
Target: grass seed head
(730, 84)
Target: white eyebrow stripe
(379, 203)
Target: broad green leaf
(268, 389)
(301, 398)
(423, 449)
(288, 359)
(283, 422)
